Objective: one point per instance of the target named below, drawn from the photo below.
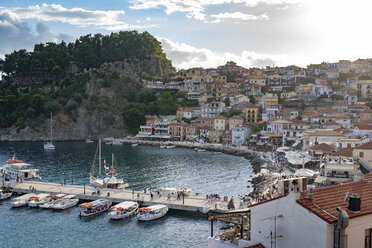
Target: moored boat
(49, 145)
(135, 144)
(94, 207)
(5, 194)
(152, 212)
(51, 199)
(18, 170)
(21, 200)
(66, 202)
(38, 199)
(123, 210)
(110, 181)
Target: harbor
(184, 203)
(143, 167)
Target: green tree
(227, 101)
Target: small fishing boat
(66, 202)
(89, 141)
(117, 143)
(21, 200)
(123, 210)
(50, 200)
(200, 150)
(152, 212)
(170, 147)
(5, 194)
(163, 147)
(135, 144)
(94, 207)
(36, 200)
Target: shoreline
(259, 182)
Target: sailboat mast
(112, 163)
(51, 127)
(99, 156)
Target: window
(361, 154)
(367, 238)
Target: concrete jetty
(190, 203)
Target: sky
(203, 33)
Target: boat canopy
(124, 205)
(86, 205)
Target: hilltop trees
(86, 52)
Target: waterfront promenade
(190, 203)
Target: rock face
(65, 129)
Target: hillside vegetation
(98, 77)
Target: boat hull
(114, 216)
(4, 196)
(153, 216)
(59, 206)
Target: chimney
(358, 176)
(354, 202)
(316, 141)
(310, 189)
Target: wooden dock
(190, 203)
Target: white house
(240, 134)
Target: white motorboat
(110, 181)
(163, 147)
(17, 169)
(94, 207)
(66, 202)
(135, 144)
(5, 194)
(38, 199)
(116, 142)
(51, 199)
(89, 141)
(170, 147)
(152, 212)
(123, 210)
(49, 145)
(200, 150)
(21, 200)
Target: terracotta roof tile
(367, 145)
(325, 200)
(345, 152)
(322, 147)
(256, 246)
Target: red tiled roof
(367, 111)
(359, 106)
(325, 200)
(221, 117)
(345, 152)
(322, 147)
(367, 145)
(256, 246)
(178, 124)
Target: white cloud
(239, 16)
(186, 56)
(75, 16)
(196, 8)
(16, 34)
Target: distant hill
(93, 86)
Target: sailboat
(50, 145)
(110, 181)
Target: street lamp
(64, 178)
(84, 186)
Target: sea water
(142, 167)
